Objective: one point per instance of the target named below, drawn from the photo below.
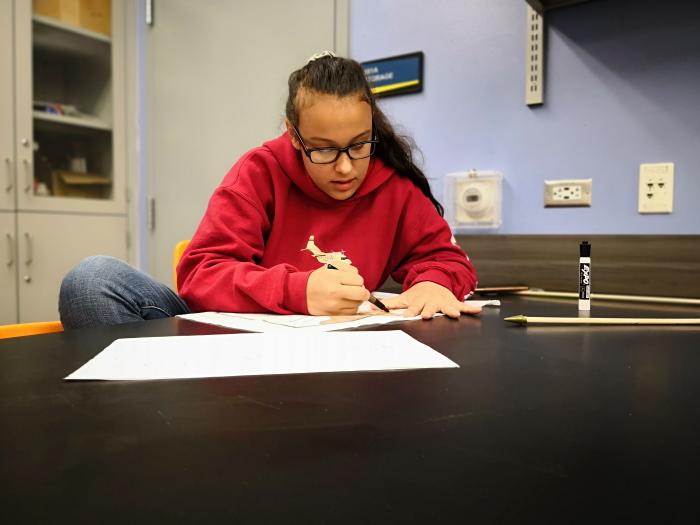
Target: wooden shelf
(83, 122)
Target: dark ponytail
(344, 77)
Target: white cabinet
(63, 153)
(7, 138)
(8, 245)
(8, 268)
(50, 245)
(69, 136)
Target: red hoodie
(248, 252)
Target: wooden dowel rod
(613, 297)
(523, 320)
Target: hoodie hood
(292, 165)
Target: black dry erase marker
(584, 276)
(372, 299)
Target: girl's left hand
(427, 298)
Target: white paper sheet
(286, 323)
(258, 354)
(366, 306)
(309, 323)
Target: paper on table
(467, 301)
(258, 354)
(310, 323)
(287, 323)
(366, 306)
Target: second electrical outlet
(572, 192)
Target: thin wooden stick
(501, 289)
(613, 297)
(523, 320)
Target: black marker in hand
(372, 299)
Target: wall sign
(397, 75)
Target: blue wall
(622, 87)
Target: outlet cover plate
(568, 192)
(656, 188)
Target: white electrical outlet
(656, 188)
(573, 192)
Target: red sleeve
(430, 253)
(219, 271)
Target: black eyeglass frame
(338, 151)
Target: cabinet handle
(10, 179)
(10, 249)
(30, 249)
(27, 175)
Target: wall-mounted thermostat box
(472, 199)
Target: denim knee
(89, 276)
(82, 297)
(103, 290)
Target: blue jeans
(103, 290)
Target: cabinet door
(50, 245)
(24, 154)
(8, 269)
(216, 86)
(70, 129)
(7, 128)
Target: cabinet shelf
(56, 37)
(81, 122)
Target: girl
(341, 178)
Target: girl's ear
(292, 135)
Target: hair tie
(320, 55)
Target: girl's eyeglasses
(357, 151)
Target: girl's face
(327, 121)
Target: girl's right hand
(335, 292)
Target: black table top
(554, 424)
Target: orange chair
(177, 254)
(24, 329)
